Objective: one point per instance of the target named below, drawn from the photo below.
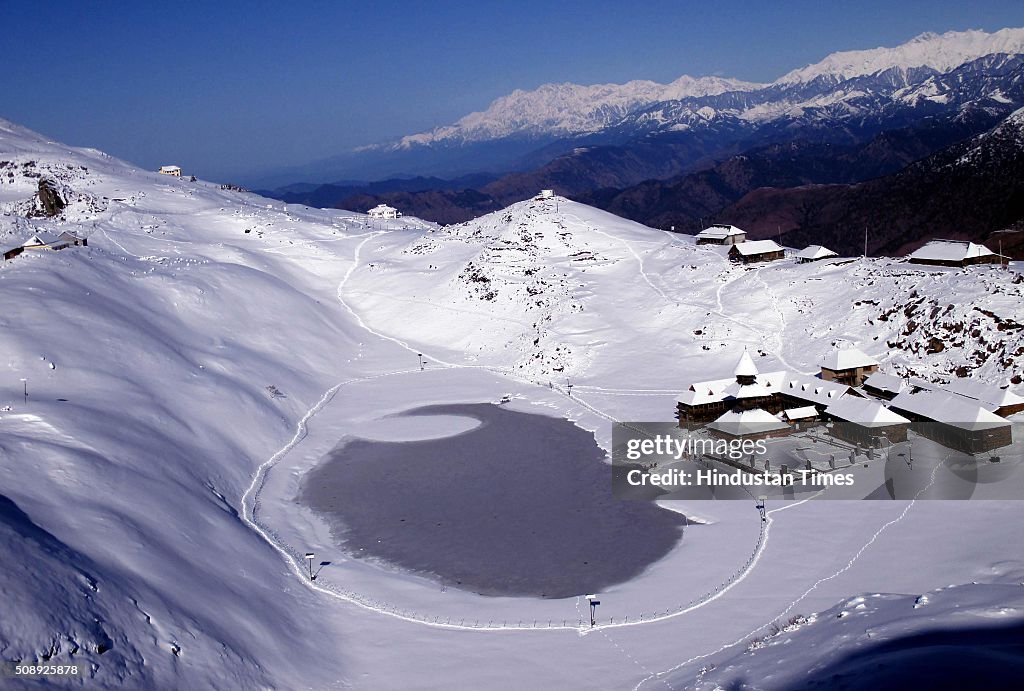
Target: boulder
(51, 197)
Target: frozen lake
(518, 504)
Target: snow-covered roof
(745, 366)
(703, 392)
(848, 358)
(382, 207)
(986, 393)
(813, 389)
(800, 413)
(988, 396)
(951, 250)
(948, 408)
(720, 232)
(865, 412)
(886, 382)
(755, 390)
(169, 169)
(754, 421)
(39, 240)
(810, 389)
(752, 247)
(815, 252)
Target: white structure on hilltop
(721, 235)
(546, 194)
(383, 211)
(171, 170)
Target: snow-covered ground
(208, 346)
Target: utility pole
(25, 383)
(865, 242)
(309, 558)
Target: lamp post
(25, 384)
(594, 602)
(420, 356)
(309, 558)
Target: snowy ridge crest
(941, 52)
(569, 108)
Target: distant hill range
(973, 190)
(698, 150)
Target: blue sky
(229, 88)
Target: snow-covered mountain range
(939, 52)
(588, 142)
(571, 109)
(568, 109)
(160, 383)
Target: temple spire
(746, 371)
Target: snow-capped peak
(567, 109)
(941, 52)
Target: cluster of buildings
(953, 253)
(751, 251)
(862, 405)
(46, 242)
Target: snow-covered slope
(148, 356)
(559, 290)
(206, 338)
(965, 636)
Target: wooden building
(865, 422)
(174, 171)
(756, 251)
(814, 253)
(954, 421)
(721, 235)
(849, 366)
(706, 401)
(47, 242)
(773, 392)
(68, 239)
(954, 253)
